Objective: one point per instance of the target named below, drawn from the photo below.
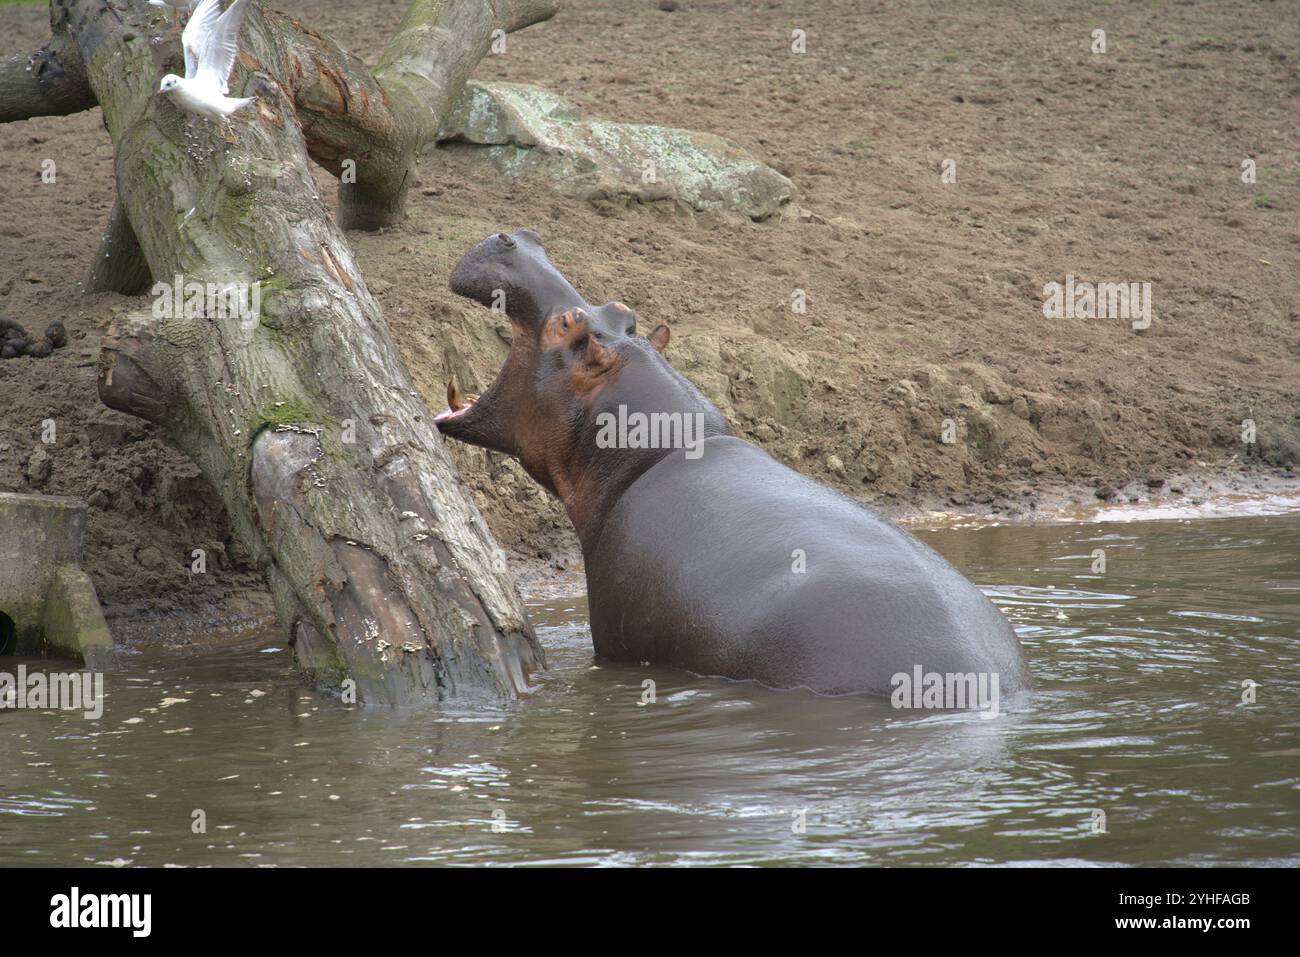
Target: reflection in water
(1137, 722)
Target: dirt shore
(924, 298)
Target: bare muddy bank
(1230, 490)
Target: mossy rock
(525, 131)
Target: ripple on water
(47, 806)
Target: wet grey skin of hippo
(708, 556)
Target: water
(1137, 715)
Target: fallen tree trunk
(288, 392)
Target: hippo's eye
(564, 323)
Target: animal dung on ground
(15, 340)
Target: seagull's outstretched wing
(221, 44)
(195, 35)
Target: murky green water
(1138, 715)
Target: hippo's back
(732, 564)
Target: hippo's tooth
(454, 401)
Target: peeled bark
(302, 416)
(382, 121)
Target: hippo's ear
(659, 338)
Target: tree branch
(343, 110)
(421, 72)
(49, 82)
(437, 46)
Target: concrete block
(48, 604)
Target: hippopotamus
(702, 552)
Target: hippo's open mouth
(508, 272)
(457, 405)
(485, 420)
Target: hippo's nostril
(505, 239)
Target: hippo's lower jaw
(446, 415)
(457, 404)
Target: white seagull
(211, 43)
